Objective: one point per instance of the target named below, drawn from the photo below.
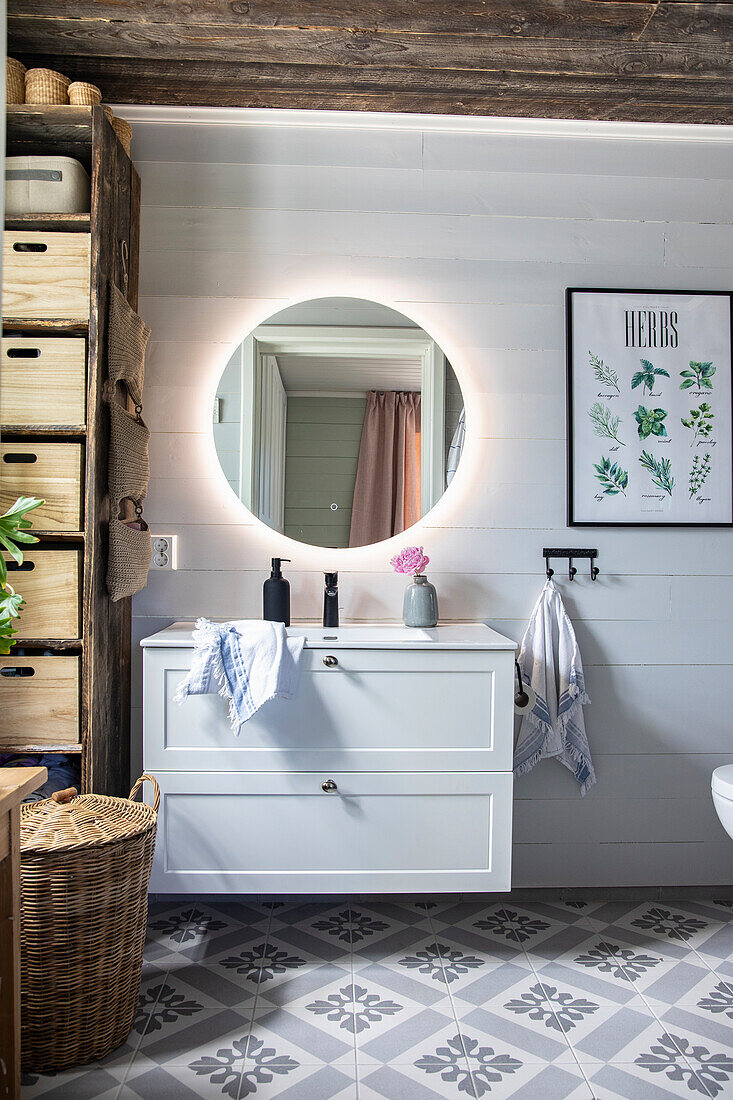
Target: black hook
(521, 699)
(550, 572)
(594, 570)
(572, 570)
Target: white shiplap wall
(475, 235)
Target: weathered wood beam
(327, 87)
(362, 49)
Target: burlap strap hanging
(129, 467)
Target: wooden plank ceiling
(663, 60)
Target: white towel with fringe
(248, 662)
(549, 659)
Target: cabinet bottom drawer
(375, 832)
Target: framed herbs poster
(650, 435)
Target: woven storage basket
(15, 81)
(46, 86)
(129, 464)
(84, 871)
(129, 557)
(82, 94)
(123, 129)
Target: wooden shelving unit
(104, 643)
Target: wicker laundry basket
(85, 866)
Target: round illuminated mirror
(339, 422)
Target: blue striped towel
(248, 662)
(550, 661)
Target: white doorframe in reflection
(264, 404)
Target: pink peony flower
(411, 560)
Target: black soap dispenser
(276, 595)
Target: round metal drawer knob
(330, 662)
(328, 785)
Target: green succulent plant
(13, 532)
(650, 422)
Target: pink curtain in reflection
(387, 489)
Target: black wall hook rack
(570, 552)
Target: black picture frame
(572, 521)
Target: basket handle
(156, 789)
(65, 796)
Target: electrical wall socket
(165, 552)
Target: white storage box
(46, 185)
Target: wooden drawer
(377, 832)
(375, 709)
(39, 698)
(43, 382)
(52, 471)
(46, 275)
(48, 580)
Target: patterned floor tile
(617, 960)
(324, 939)
(416, 1083)
(539, 1006)
(529, 1081)
(684, 984)
(670, 924)
(502, 925)
(492, 984)
(628, 1081)
(83, 1084)
(418, 965)
(320, 1024)
(198, 1036)
(718, 948)
(233, 1076)
(701, 1027)
(267, 964)
(525, 1037)
(615, 1035)
(409, 1035)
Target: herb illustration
(612, 477)
(606, 375)
(660, 469)
(650, 422)
(604, 422)
(698, 473)
(700, 422)
(698, 375)
(645, 377)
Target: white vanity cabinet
(390, 770)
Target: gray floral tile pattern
(719, 1000)
(425, 999)
(512, 924)
(678, 1060)
(243, 1067)
(673, 925)
(161, 1004)
(620, 962)
(559, 1011)
(262, 963)
(355, 1008)
(441, 962)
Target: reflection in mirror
(339, 422)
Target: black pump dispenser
(276, 595)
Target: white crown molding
(140, 115)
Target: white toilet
(722, 787)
